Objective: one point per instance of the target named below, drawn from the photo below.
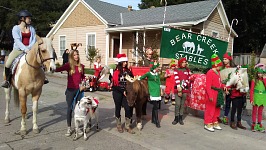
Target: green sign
(196, 48)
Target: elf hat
(153, 65)
(121, 58)
(216, 61)
(172, 63)
(180, 61)
(228, 56)
(259, 70)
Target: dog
(85, 110)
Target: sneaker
(217, 126)
(69, 132)
(46, 81)
(225, 120)
(5, 84)
(253, 127)
(260, 128)
(209, 127)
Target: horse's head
(132, 90)
(239, 78)
(47, 53)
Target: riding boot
(181, 120)
(127, 126)
(6, 83)
(119, 125)
(176, 120)
(156, 117)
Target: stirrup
(5, 84)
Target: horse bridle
(41, 58)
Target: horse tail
(16, 97)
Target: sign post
(196, 48)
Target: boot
(253, 127)
(239, 125)
(181, 120)
(6, 83)
(119, 125)
(260, 128)
(156, 117)
(46, 81)
(127, 126)
(176, 120)
(153, 117)
(225, 120)
(233, 126)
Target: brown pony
(137, 95)
(29, 79)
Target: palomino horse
(29, 79)
(137, 95)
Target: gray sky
(124, 3)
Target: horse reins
(41, 58)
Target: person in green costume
(257, 99)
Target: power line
(8, 8)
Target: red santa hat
(228, 56)
(180, 61)
(121, 58)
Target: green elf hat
(172, 63)
(259, 70)
(216, 61)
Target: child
(257, 99)
(170, 83)
(214, 95)
(155, 91)
(182, 81)
(97, 67)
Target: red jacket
(182, 78)
(97, 69)
(75, 79)
(213, 80)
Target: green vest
(259, 94)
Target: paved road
(52, 123)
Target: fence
(243, 59)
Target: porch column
(120, 46)
(144, 43)
(107, 38)
(137, 42)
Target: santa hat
(121, 58)
(216, 61)
(180, 61)
(228, 56)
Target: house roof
(188, 12)
(118, 18)
(263, 53)
(110, 12)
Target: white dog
(85, 110)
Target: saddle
(15, 62)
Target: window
(91, 40)
(215, 34)
(62, 44)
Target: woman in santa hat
(119, 93)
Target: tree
(250, 14)
(45, 13)
(92, 52)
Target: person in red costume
(170, 83)
(97, 67)
(215, 99)
(227, 63)
(182, 80)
